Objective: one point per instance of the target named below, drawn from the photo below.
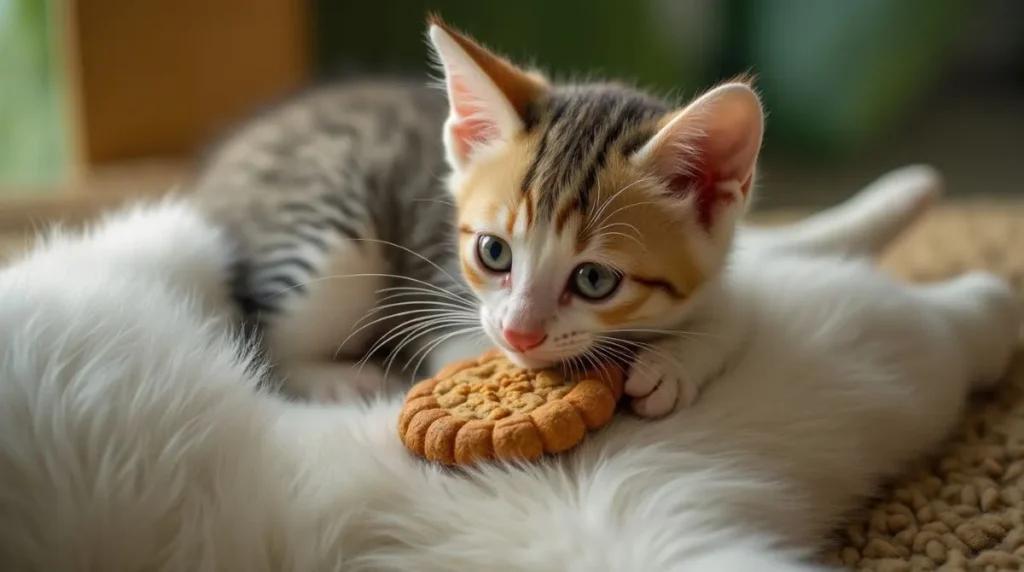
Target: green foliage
(32, 132)
(609, 38)
(839, 75)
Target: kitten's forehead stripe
(528, 199)
(571, 206)
(510, 223)
(558, 111)
(581, 125)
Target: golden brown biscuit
(489, 408)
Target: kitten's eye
(593, 281)
(494, 253)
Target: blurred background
(104, 97)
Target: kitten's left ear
(708, 150)
(489, 99)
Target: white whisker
(410, 327)
(432, 313)
(666, 332)
(425, 291)
(423, 303)
(434, 346)
(606, 203)
(600, 238)
(361, 275)
(411, 336)
(416, 254)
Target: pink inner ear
(715, 140)
(700, 182)
(463, 103)
(472, 126)
(468, 132)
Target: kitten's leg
(314, 335)
(863, 225)
(985, 315)
(659, 381)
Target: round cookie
(489, 408)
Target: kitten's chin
(526, 361)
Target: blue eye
(494, 253)
(593, 281)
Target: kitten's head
(588, 214)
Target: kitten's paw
(657, 386)
(659, 402)
(334, 382)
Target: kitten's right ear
(490, 99)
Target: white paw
(334, 382)
(658, 386)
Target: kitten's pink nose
(522, 341)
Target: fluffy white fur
(132, 436)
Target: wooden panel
(157, 77)
(107, 186)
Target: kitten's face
(588, 216)
(558, 280)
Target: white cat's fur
(131, 436)
(672, 371)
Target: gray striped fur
(580, 126)
(357, 160)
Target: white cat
(131, 436)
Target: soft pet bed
(962, 509)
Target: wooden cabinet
(160, 77)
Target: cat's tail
(868, 222)
(166, 241)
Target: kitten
(595, 220)
(587, 220)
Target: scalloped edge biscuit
(436, 434)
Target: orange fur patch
(511, 224)
(565, 211)
(530, 208)
(650, 239)
(623, 312)
(472, 276)
(493, 182)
